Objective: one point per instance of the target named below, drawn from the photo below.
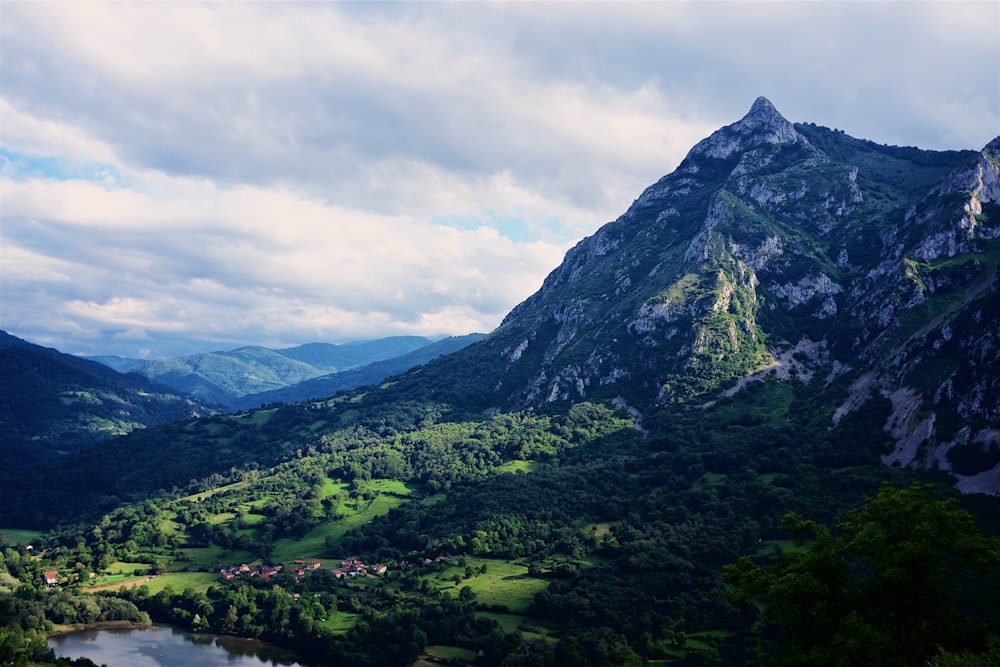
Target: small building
(51, 578)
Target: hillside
(53, 403)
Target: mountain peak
(762, 125)
(762, 109)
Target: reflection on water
(164, 646)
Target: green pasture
(433, 499)
(331, 487)
(391, 494)
(706, 640)
(518, 465)
(529, 628)
(708, 479)
(203, 558)
(206, 558)
(504, 583)
(178, 581)
(599, 529)
(339, 621)
(390, 486)
(15, 536)
(114, 582)
(197, 497)
(257, 417)
(766, 547)
(252, 519)
(121, 567)
(169, 527)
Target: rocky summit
(792, 250)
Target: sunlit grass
(518, 465)
(178, 581)
(339, 621)
(504, 583)
(314, 545)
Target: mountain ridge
(226, 377)
(770, 235)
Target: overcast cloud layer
(181, 177)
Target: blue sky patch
(23, 167)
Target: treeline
(391, 628)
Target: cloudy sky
(184, 177)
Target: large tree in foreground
(882, 591)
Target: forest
(523, 538)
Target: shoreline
(59, 630)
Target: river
(164, 646)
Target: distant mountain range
(248, 376)
(54, 403)
(376, 371)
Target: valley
(682, 448)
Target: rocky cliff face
(771, 238)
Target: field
(504, 584)
(14, 536)
(340, 621)
(208, 558)
(389, 494)
(178, 581)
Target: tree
(882, 592)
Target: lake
(164, 646)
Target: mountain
(790, 322)
(120, 364)
(52, 403)
(788, 249)
(225, 377)
(861, 276)
(330, 384)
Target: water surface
(164, 646)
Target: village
(352, 566)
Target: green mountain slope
(52, 403)
(793, 248)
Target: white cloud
(184, 256)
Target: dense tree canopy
(880, 592)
